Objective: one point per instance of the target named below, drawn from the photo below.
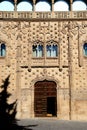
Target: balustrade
(44, 15)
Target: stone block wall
(68, 70)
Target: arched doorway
(45, 99)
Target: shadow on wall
(8, 111)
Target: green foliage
(8, 111)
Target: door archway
(45, 99)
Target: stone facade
(68, 70)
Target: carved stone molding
(45, 77)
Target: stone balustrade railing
(43, 15)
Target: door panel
(45, 98)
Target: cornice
(63, 15)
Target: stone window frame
(2, 49)
(85, 55)
(40, 52)
(44, 50)
(52, 43)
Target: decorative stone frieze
(67, 70)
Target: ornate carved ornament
(49, 78)
(73, 27)
(51, 42)
(8, 29)
(44, 24)
(37, 42)
(3, 39)
(84, 41)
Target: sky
(58, 6)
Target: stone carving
(26, 70)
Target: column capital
(71, 1)
(52, 1)
(15, 1)
(34, 1)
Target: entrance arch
(45, 99)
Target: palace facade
(45, 54)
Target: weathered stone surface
(68, 70)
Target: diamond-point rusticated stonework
(45, 86)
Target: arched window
(6, 6)
(24, 6)
(52, 50)
(37, 50)
(43, 6)
(2, 50)
(85, 49)
(61, 6)
(79, 5)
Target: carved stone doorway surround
(50, 79)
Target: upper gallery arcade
(43, 5)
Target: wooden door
(44, 94)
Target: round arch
(61, 6)
(48, 1)
(85, 1)
(79, 3)
(7, 5)
(41, 3)
(24, 5)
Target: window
(6, 5)
(85, 49)
(2, 50)
(41, 4)
(37, 50)
(51, 50)
(24, 6)
(61, 6)
(79, 5)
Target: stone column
(60, 55)
(8, 54)
(18, 70)
(70, 43)
(58, 102)
(18, 77)
(15, 5)
(29, 55)
(71, 2)
(80, 55)
(52, 8)
(60, 49)
(34, 2)
(32, 102)
(70, 72)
